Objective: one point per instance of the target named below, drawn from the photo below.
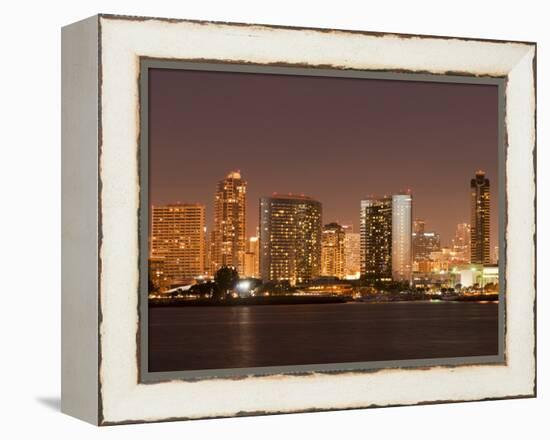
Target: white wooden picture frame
(101, 380)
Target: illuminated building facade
(352, 253)
(332, 286)
(252, 258)
(461, 242)
(442, 260)
(401, 237)
(484, 278)
(333, 251)
(376, 238)
(386, 238)
(156, 273)
(210, 250)
(424, 242)
(207, 252)
(290, 238)
(480, 201)
(177, 237)
(229, 232)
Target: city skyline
(346, 161)
(294, 244)
(210, 221)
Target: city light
(243, 286)
(292, 246)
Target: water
(196, 338)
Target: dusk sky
(337, 140)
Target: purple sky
(335, 139)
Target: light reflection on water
(187, 338)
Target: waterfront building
(333, 251)
(433, 281)
(157, 277)
(352, 253)
(484, 277)
(177, 238)
(252, 258)
(376, 238)
(401, 237)
(328, 286)
(480, 240)
(229, 232)
(290, 238)
(386, 238)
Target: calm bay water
(196, 338)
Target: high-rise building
(252, 258)
(177, 238)
(157, 277)
(376, 238)
(210, 251)
(333, 251)
(290, 238)
(423, 242)
(229, 232)
(352, 252)
(480, 199)
(402, 237)
(386, 238)
(461, 242)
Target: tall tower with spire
(480, 202)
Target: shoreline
(311, 299)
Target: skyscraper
(386, 238)
(352, 252)
(424, 242)
(332, 251)
(376, 238)
(229, 233)
(480, 200)
(290, 238)
(461, 242)
(177, 238)
(402, 237)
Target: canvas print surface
(305, 220)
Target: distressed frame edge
(80, 308)
(102, 421)
(125, 17)
(532, 115)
